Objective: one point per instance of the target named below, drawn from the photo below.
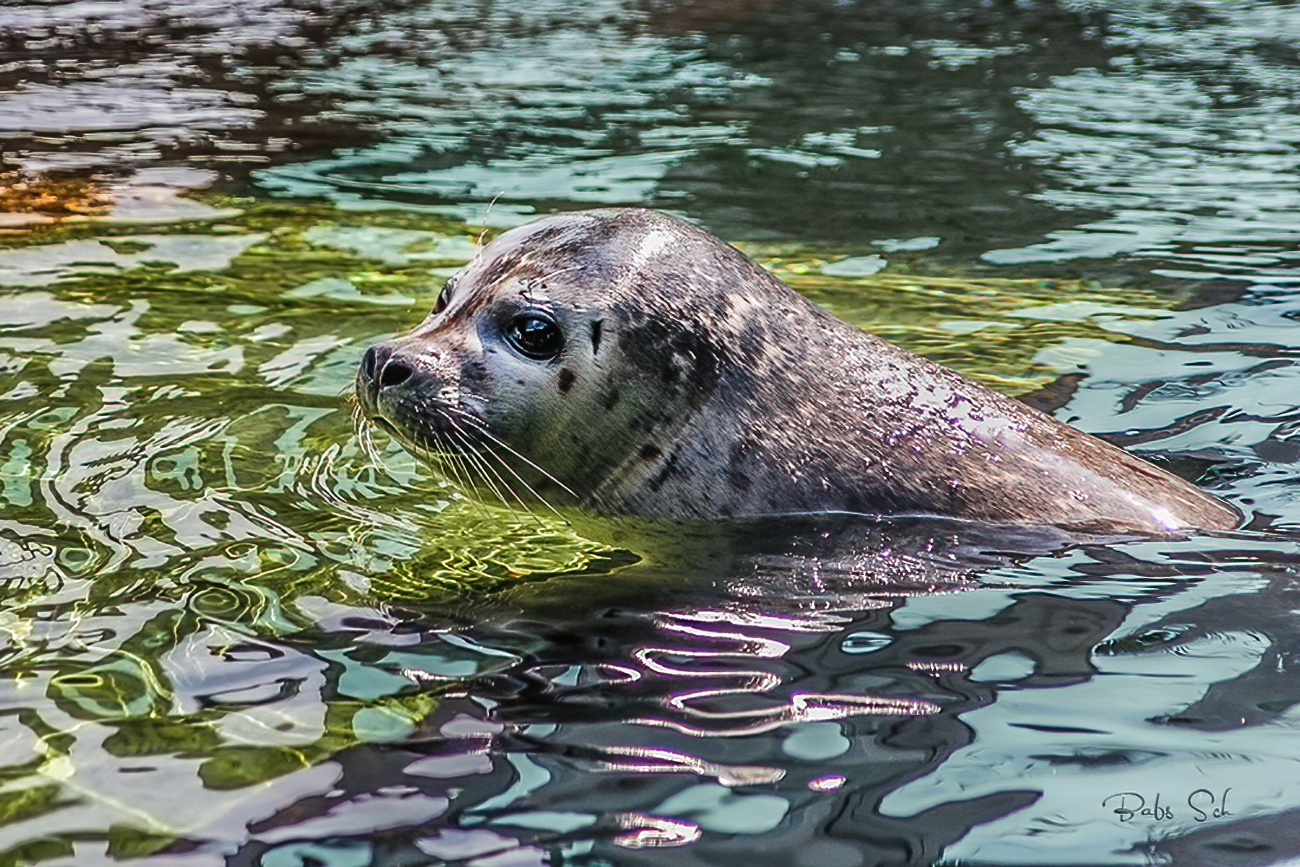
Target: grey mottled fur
(693, 384)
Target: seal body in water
(624, 362)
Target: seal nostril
(395, 373)
(368, 364)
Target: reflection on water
(1033, 133)
(229, 637)
(1177, 143)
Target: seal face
(625, 362)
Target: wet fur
(693, 384)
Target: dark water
(229, 637)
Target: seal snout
(381, 368)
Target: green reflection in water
(177, 399)
(991, 329)
(182, 495)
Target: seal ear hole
(535, 335)
(595, 335)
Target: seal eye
(535, 336)
(443, 298)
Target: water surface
(231, 637)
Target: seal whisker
(505, 483)
(478, 242)
(473, 466)
(454, 462)
(491, 447)
(558, 271)
(487, 447)
(487, 473)
(465, 453)
(478, 428)
(458, 466)
(428, 449)
(365, 434)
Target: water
(229, 637)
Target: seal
(624, 362)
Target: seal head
(625, 362)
